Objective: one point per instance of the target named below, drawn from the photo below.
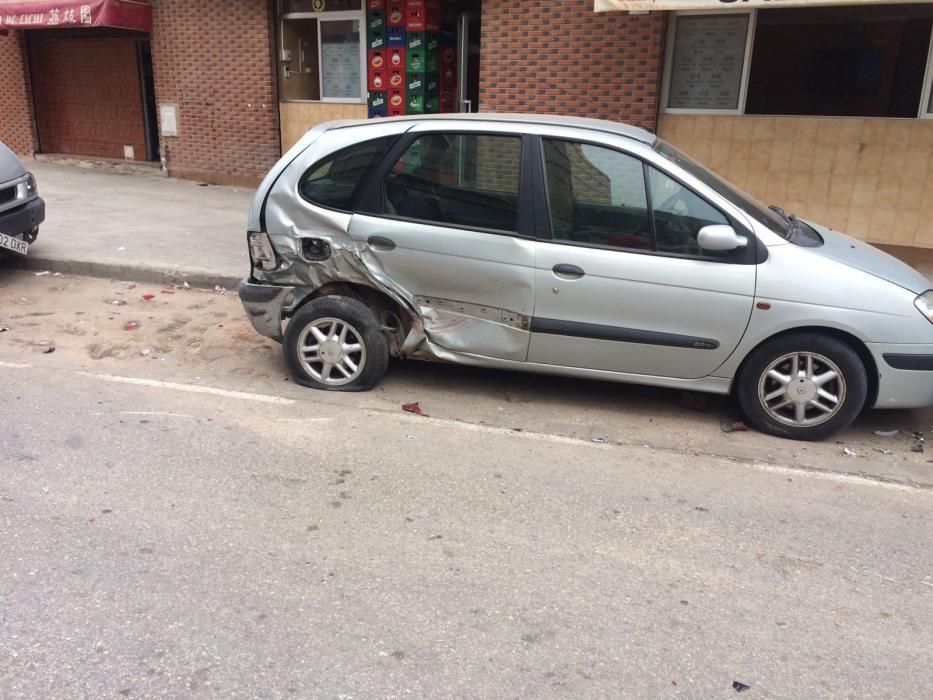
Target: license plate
(17, 245)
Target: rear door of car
(448, 220)
(621, 284)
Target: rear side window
(337, 179)
(460, 179)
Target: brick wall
(16, 126)
(213, 59)
(560, 57)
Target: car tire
(335, 343)
(821, 374)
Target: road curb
(131, 273)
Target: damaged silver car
(574, 247)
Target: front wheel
(802, 386)
(335, 343)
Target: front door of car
(443, 220)
(622, 285)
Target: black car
(21, 207)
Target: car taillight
(261, 251)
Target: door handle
(381, 242)
(568, 271)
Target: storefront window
(845, 62)
(340, 59)
(865, 61)
(321, 51)
(707, 62)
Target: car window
(754, 209)
(461, 179)
(679, 214)
(335, 180)
(596, 195)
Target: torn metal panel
(296, 231)
(474, 328)
(472, 289)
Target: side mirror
(720, 237)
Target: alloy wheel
(802, 389)
(331, 351)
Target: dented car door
(445, 219)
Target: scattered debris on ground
(414, 407)
(728, 426)
(131, 325)
(740, 687)
(886, 433)
(848, 452)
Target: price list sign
(706, 70)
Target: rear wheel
(803, 386)
(335, 343)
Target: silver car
(575, 247)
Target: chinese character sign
(59, 14)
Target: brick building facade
(848, 145)
(214, 61)
(16, 124)
(559, 57)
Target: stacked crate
(377, 64)
(412, 64)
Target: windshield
(760, 213)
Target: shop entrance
(93, 94)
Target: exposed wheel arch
(871, 369)
(395, 321)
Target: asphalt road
(179, 521)
(183, 540)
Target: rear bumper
(23, 218)
(264, 304)
(905, 375)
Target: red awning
(69, 14)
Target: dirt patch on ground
(109, 322)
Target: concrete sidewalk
(133, 226)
